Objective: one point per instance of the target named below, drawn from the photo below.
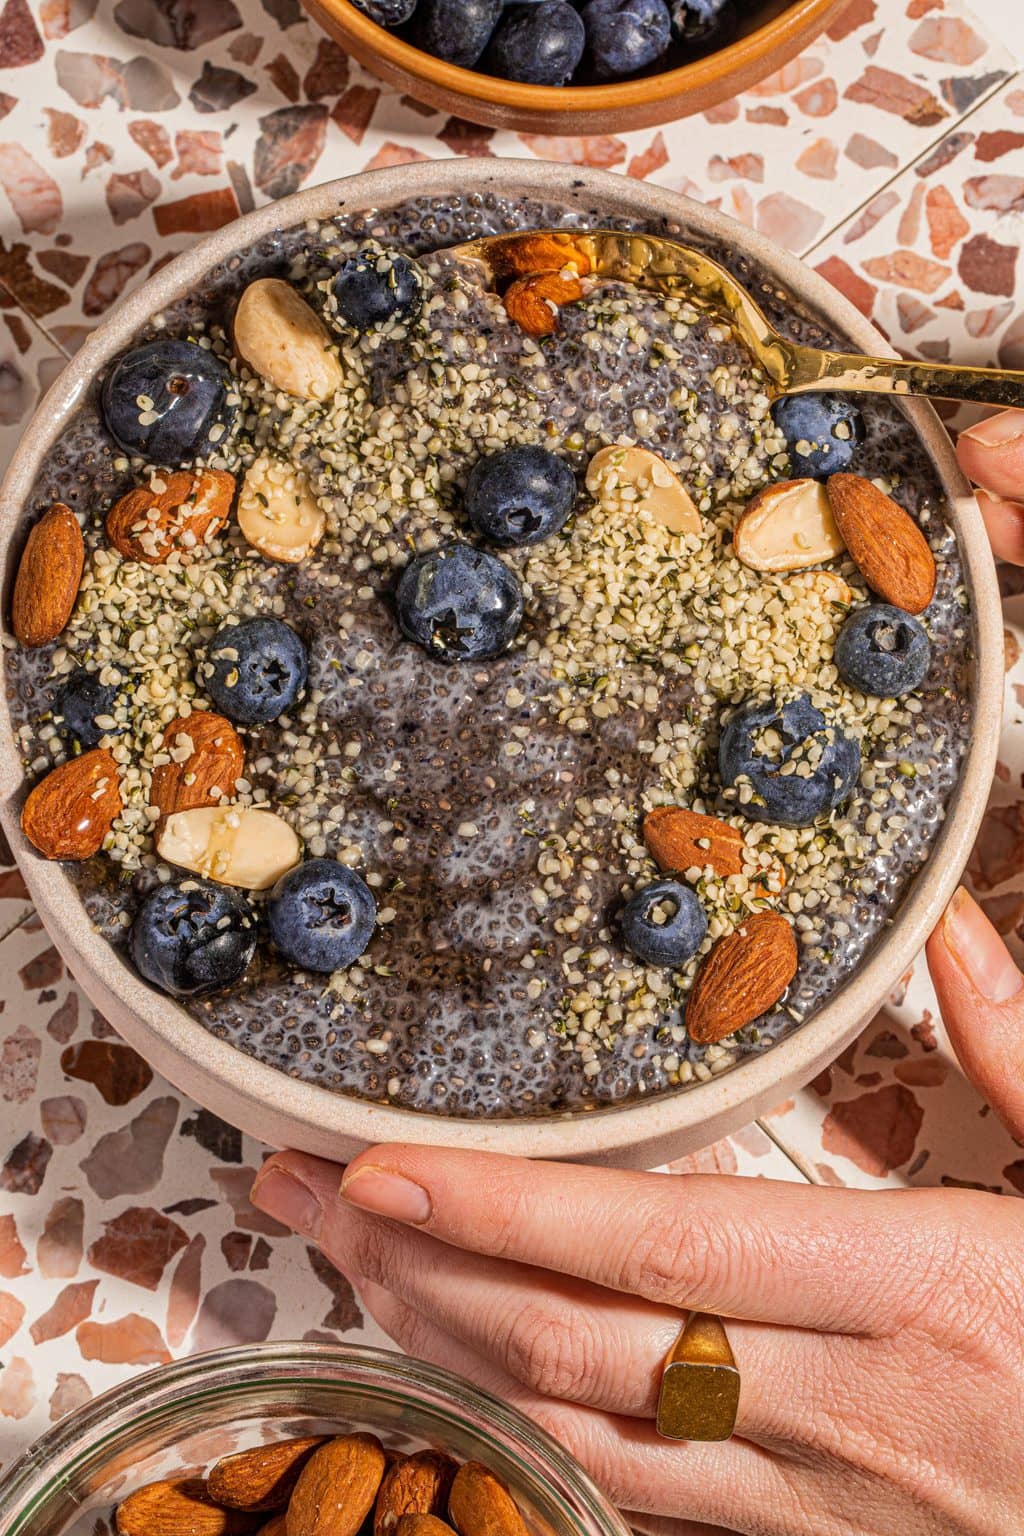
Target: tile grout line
(1012, 76)
(798, 1161)
(35, 322)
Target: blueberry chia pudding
(484, 702)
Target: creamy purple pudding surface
(495, 807)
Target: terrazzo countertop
(890, 155)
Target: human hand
(879, 1335)
(992, 455)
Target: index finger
(751, 1248)
(992, 454)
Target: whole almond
(336, 1487)
(413, 1485)
(481, 1505)
(887, 546)
(285, 341)
(49, 575)
(178, 1507)
(534, 252)
(70, 812)
(207, 757)
(277, 1526)
(423, 1525)
(533, 302)
(787, 527)
(263, 1477)
(744, 974)
(679, 839)
(176, 514)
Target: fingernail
(289, 1201)
(996, 431)
(386, 1194)
(979, 951)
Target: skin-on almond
(889, 549)
(336, 1487)
(413, 1485)
(285, 341)
(278, 1526)
(787, 527)
(481, 1505)
(629, 476)
(179, 513)
(423, 1525)
(675, 837)
(741, 978)
(532, 253)
(49, 575)
(533, 302)
(263, 1477)
(70, 812)
(181, 1507)
(207, 757)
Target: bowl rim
(287, 1110)
(239, 1368)
(786, 30)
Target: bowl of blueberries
(573, 66)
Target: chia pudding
(500, 809)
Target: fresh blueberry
(539, 43)
(625, 36)
(78, 702)
(167, 401)
(883, 651)
(387, 13)
(192, 937)
(704, 25)
(373, 286)
(321, 915)
(664, 923)
(822, 432)
(455, 30)
(459, 603)
(760, 742)
(519, 495)
(256, 670)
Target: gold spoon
(650, 261)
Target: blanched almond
(787, 527)
(235, 845)
(635, 477)
(285, 341)
(277, 512)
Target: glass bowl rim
(25, 1486)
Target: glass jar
(177, 1420)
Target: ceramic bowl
(776, 36)
(286, 1112)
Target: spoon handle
(899, 376)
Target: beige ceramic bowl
(776, 34)
(285, 1112)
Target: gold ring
(700, 1383)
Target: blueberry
(256, 670)
(539, 43)
(519, 495)
(883, 651)
(704, 25)
(167, 401)
(678, 935)
(321, 915)
(455, 30)
(77, 703)
(387, 13)
(459, 603)
(373, 286)
(192, 937)
(625, 36)
(822, 432)
(763, 736)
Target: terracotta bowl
(778, 36)
(286, 1112)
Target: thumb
(981, 997)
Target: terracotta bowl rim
(786, 30)
(289, 1111)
